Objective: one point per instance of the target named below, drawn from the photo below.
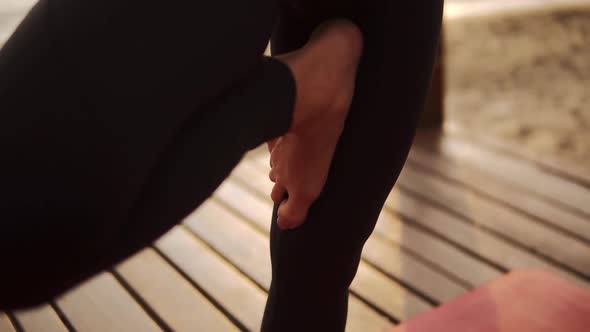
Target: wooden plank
(389, 296)
(171, 296)
(391, 258)
(237, 241)
(411, 271)
(40, 319)
(5, 324)
(225, 284)
(468, 237)
(258, 152)
(467, 268)
(11, 14)
(519, 172)
(502, 220)
(248, 248)
(553, 163)
(252, 208)
(498, 189)
(20, 7)
(455, 262)
(255, 174)
(102, 304)
(362, 319)
(8, 23)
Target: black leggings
(118, 118)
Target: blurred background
(515, 71)
(519, 71)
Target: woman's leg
(98, 96)
(314, 264)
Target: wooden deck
(461, 214)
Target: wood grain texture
(555, 164)
(390, 258)
(519, 172)
(5, 325)
(102, 304)
(388, 295)
(449, 258)
(40, 319)
(11, 14)
(469, 238)
(242, 298)
(501, 190)
(389, 226)
(248, 248)
(499, 218)
(172, 297)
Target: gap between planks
(248, 249)
(102, 304)
(40, 319)
(170, 296)
(392, 260)
(568, 222)
(520, 173)
(228, 233)
(470, 239)
(499, 219)
(444, 256)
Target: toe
(292, 213)
(278, 193)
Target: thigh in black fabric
(208, 147)
(92, 95)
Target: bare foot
(325, 73)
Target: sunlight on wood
(40, 319)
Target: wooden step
(102, 304)
(390, 258)
(5, 324)
(501, 189)
(248, 250)
(390, 227)
(40, 319)
(224, 284)
(517, 172)
(11, 13)
(241, 243)
(499, 219)
(170, 296)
